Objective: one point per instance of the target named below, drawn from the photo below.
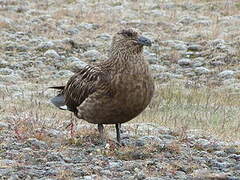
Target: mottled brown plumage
(113, 91)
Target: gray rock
(178, 45)
(151, 57)
(185, 62)
(3, 125)
(226, 74)
(34, 143)
(158, 67)
(92, 54)
(140, 176)
(87, 26)
(64, 73)
(5, 71)
(194, 47)
(104, 36)
(201, 70)
(89, 177)
(3, 63)
(218, 44)
(235, 156)
(10, 78)
(220, 153)
(76, 64)
(72, 31)
(113, 164)
(217, 63)
(45, 45)
(51, 53)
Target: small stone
(104, 36)
(184, 62)
(93, 55)
(88, 26)
(230, 150)
(201, 70)
(151, 58)
(51, 53)
(220, 153)
(76, 64)
(45, 45)
(64, 73)
(3, 125)
(226, 74)
(157, 67)
(3, 63)
(5, 71)
(217, 63)
(194, 47)
(140, 176)
(235, 156)
(10, 78)
(72, 31)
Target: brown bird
(113, 91)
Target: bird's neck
(123, 61)
(125, 57)
(126, 54)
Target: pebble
(201, 70)
(51, 53)
(226, 74)
(92, 54)
(184, 62)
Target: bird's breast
(134, 90)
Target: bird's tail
(57, 87)
(59, 100)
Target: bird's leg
(72, 130)
(100, 129)
(118, 126)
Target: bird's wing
(84, 83)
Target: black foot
(100, 129)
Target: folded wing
(79, 87)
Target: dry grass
(207, 109)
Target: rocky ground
(195, 45)
(150, 152)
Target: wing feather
(85, 82)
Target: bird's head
(128, 40)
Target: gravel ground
(150, 152)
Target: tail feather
(57, 87)
(58, 101)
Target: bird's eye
(127, 33)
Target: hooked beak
(144, 41)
